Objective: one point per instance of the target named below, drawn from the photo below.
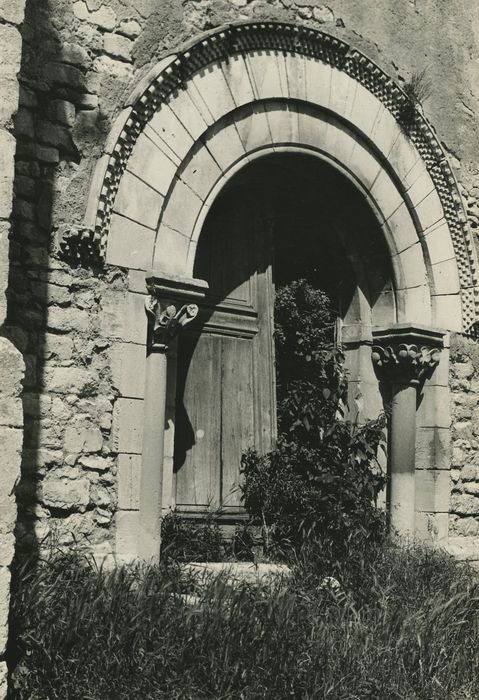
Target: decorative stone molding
(81, 247)
(165, 321)
(406, 354)
(220, 45)
(170, 306)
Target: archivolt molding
(243, 38)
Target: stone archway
(232, 97)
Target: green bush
(400, 623)
(322, 479)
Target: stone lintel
(175, 287)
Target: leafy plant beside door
(322, 480)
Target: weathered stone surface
(71, 380)
(7, 152)
(117, 46)
(66, 494)
(96, 463)
(12, 11)
(465, 504)
(129, 27)
(84, 439)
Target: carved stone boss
(403, 357)
(172, 302)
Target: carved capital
(405, 353)
(165, 320)
(170, 306)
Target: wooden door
(225, 390)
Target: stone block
(9, 103)
(5, 578)
(57, 346)
(11, 440)
(266, 79)
(364, 165)
(12, 12)
(225, 145)
(67, 319)
(74, 54)
(128, 426)
(237, 77)
(138, 201)
(439, 244)
(202, 172)
(11, 369)
(65, 494)
(386, 194)
(210, 93)
(128, 369)
(181, 210)
(63, 112)
(123, 316)
(24, 123)
(130, 244)
(253, 129)
(71, 380)
(465, 504)
(433, 448)
(129, 472)
(414, 303)
(433, 487)
(445, 278)
(447, 311)
(7, 164)
(318, 81)
(385, 132)
(343, 93)
(434, 409)
(419, 190)
(188, 113)
(467, 526)
(104, 17)
(130, 28)
(286, 125)
(127, 534)
(66, 75)
(411, 264)
(432, 528)
(151, 165)
(402, 229)
(82, 438)
(169, 128)
(117, 46)
(429, 211)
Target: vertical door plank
(198, 422)
(237, 414)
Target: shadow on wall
(65, 492)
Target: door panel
(226, 392)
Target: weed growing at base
(403, 623)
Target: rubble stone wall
(464, 383)
(11, 363)
(80, 60)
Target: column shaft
(151, 490)
(402, 458)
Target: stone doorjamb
(172, 303)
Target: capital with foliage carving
(170, 305)
(406, 353)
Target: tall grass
(403, 623)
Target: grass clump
(393, 623)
